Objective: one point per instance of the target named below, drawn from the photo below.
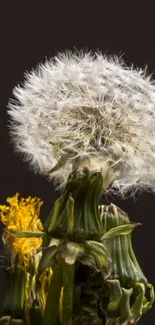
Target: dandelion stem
(68, 286)
(51, 309)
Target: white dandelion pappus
(84, 105)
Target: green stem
(51, 309)
(68, 288)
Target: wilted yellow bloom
(22, 214)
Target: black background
(32, 33)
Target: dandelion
(84, 106)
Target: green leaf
(120, 230)
(25, 234)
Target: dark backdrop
(29, 34)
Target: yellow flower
(22, 214)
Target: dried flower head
(81, 105)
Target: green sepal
(95, 247)
(149, 304)
(125, 311)
(70, 216)
(98, 251)
(47, 259)
(137, 307)
(51, 222)
(25, 234)
(120, 230)
(61, 162)
(71, 251)
(115, 295)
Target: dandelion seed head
(80, 105)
